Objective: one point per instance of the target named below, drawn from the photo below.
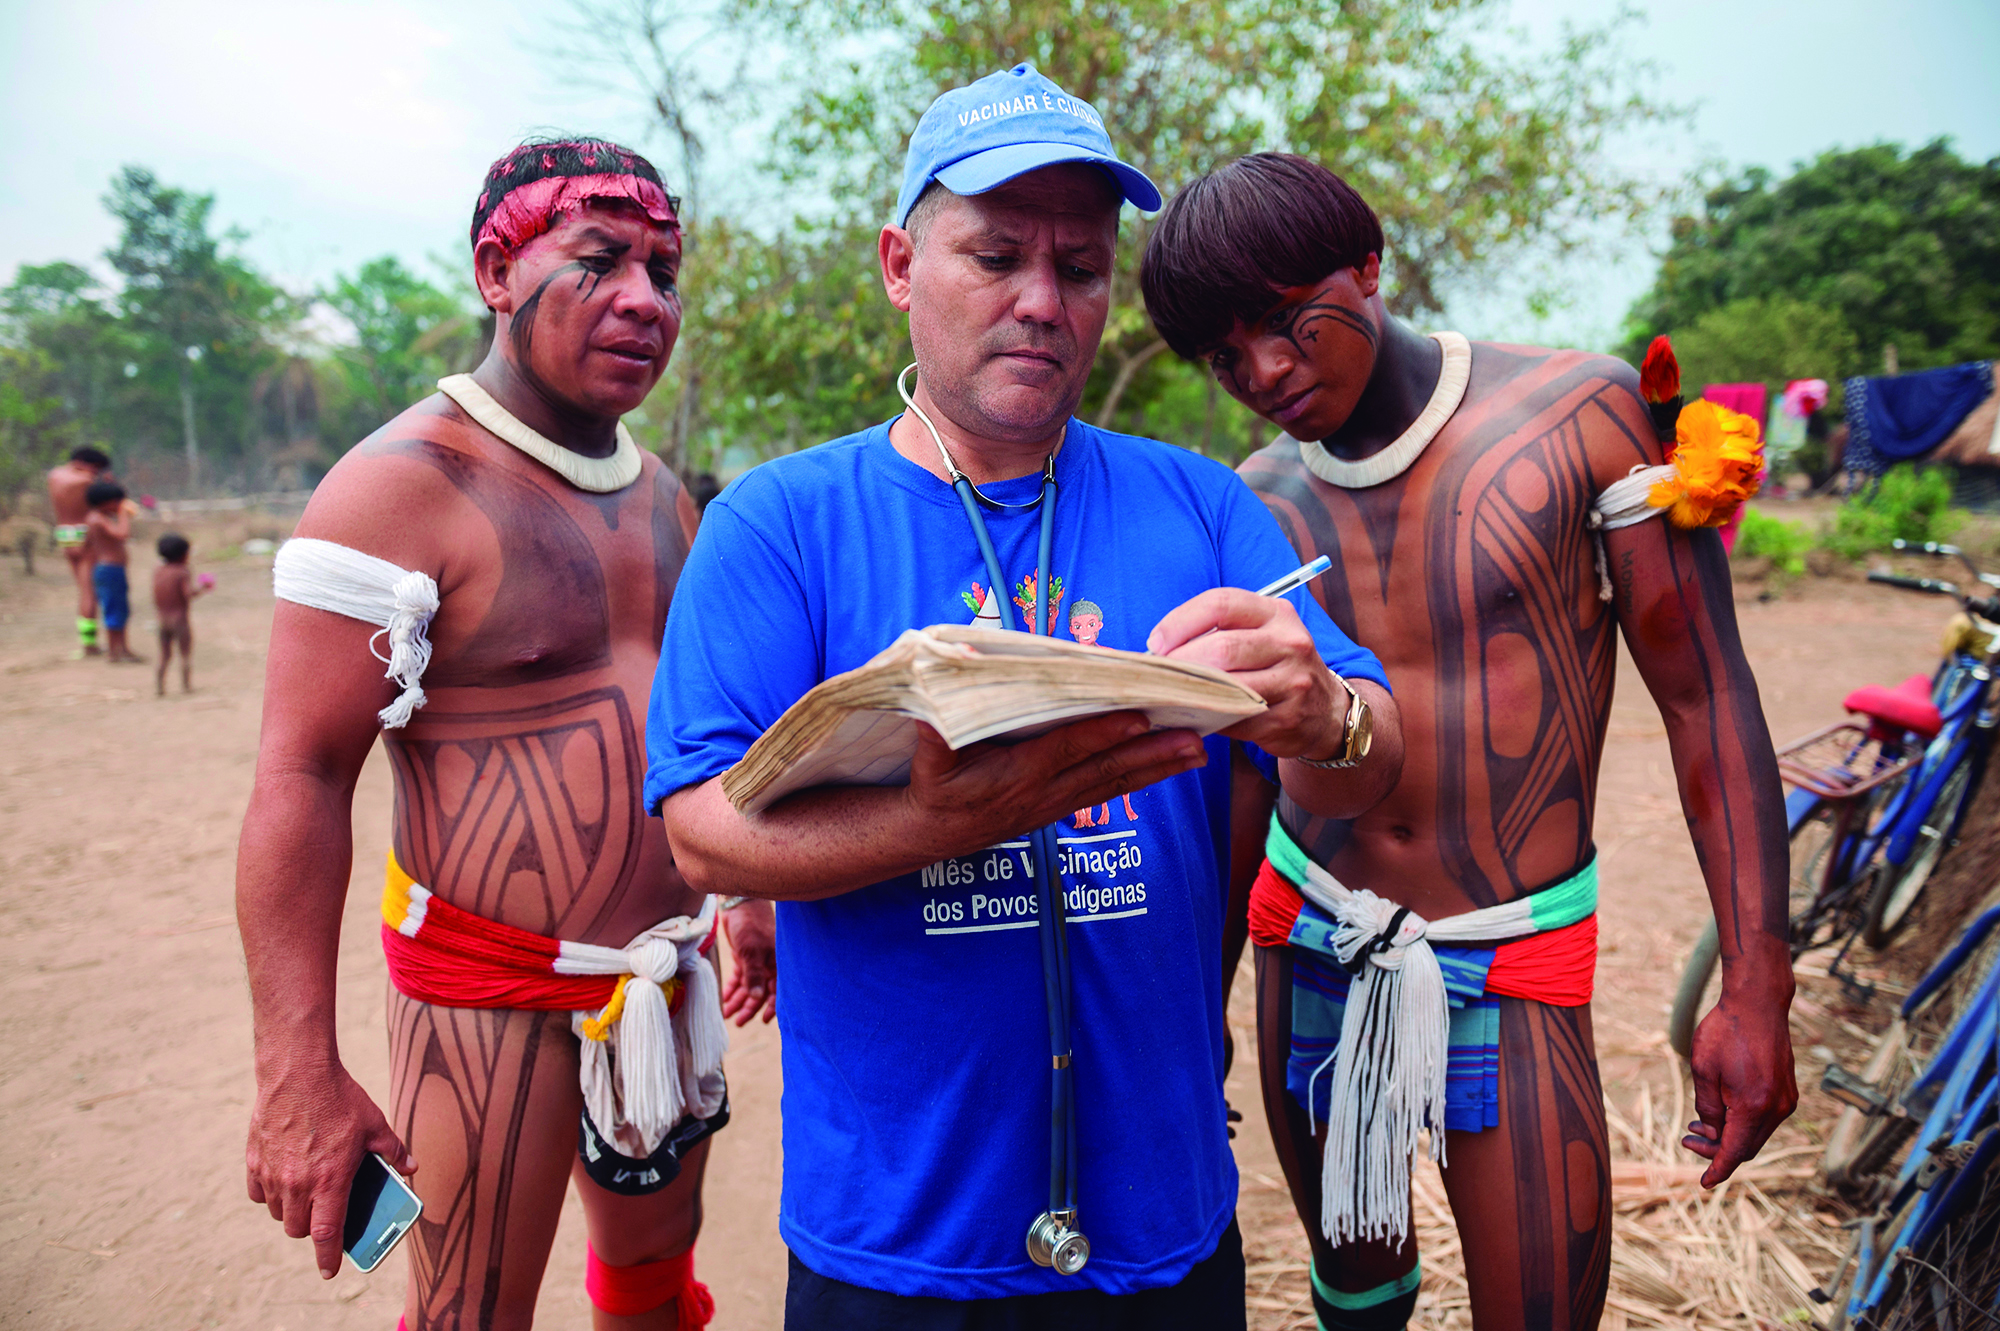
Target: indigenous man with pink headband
(509, 553)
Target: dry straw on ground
(1746, 1254)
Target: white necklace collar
(1398, 457)
(597, 475)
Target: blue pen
(1297, 578)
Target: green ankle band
(1368, 1298)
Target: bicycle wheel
(1699, 986)
(1897, 887)
(1951, 1275)
(1862, 1146)
(1813, 860)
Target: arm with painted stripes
(1676, 608)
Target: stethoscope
(1053, 1239)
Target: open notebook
(969, 684)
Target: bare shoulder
(1514, 369)
(387, 496)
(673, 507)
(657, 479)
(1545, 389)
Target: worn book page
(859, 728)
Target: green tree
(1904, 248)
(206, 317)
(35, 430)
(63, 355)
(1773, 340)
(408, 334)
(60, 312)
(1468, 156)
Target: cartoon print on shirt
(1086, 621)
(985, 610)
(1024, 596)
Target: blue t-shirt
(916, 1057)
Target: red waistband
(459, 959)
(1558, 967)
(423, 969)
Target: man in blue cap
(924, 1127)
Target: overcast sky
(335, 131)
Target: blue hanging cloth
(1900, 417)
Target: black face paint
(521, 328)
(1298, 325)
(609, 257)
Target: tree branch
(1127, 369)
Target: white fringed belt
(1389, 1069)
(648, 1014)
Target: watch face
(1364, 730)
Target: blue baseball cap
(981, 136)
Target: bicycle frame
(1849, 792)
(1966, 729)
(1956, 1093)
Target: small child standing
(174, 590)
(108, 528)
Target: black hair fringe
(1230, 241)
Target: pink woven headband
(533, 208)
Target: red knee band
(626, 1291)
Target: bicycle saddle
(1908, 706)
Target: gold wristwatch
(1358, 732)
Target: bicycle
(1927, 1249)
(1936, 796)
(1876, 803)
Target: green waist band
(1554, 907)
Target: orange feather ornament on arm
(1718, 462)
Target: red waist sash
(1558, 967)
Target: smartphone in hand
(381, 1208)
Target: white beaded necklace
(1398, 457)
(597, 475)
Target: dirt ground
(125, 1075)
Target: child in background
(174, 590)
(109, 526)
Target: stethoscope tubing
(1052, 924)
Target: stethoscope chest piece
(1052, 1242)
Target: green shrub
(1907, 503)
(1783, 543)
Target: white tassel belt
(645, 1065)
(1389, 1068)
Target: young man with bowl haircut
(1461, 492)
